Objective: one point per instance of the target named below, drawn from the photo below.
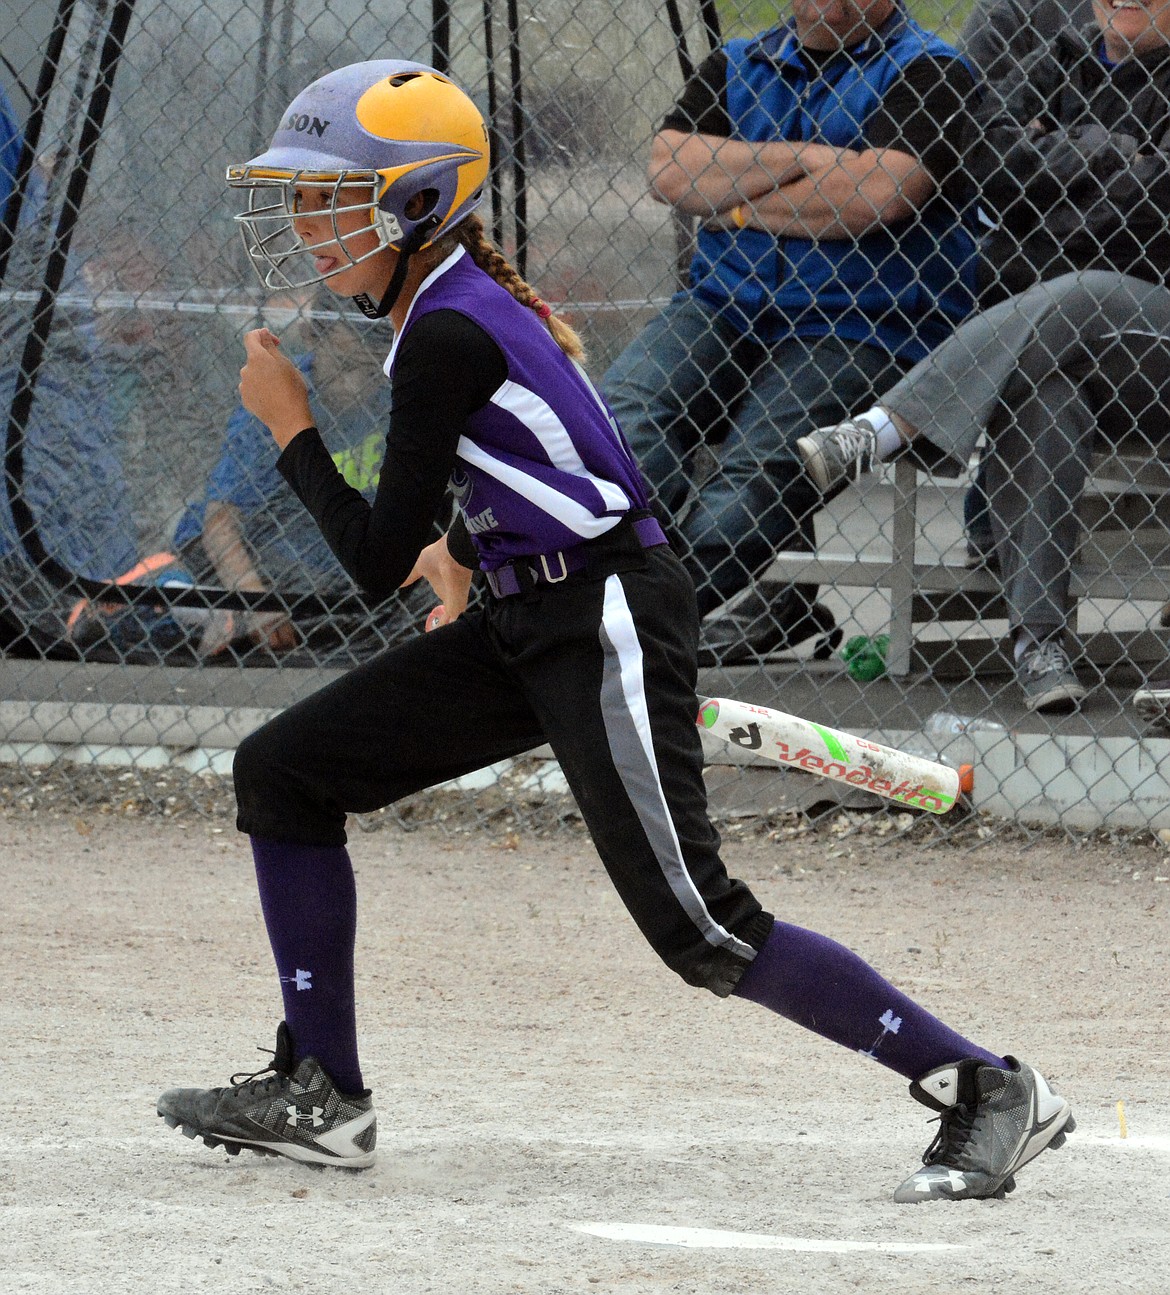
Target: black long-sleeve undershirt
(446, 368)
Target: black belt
(526, 573)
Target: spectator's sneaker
(835, 457)
(285, 1110)
(991, 1123)
(1047, 678)
(981, 554)
(149, 633)
(1152, 704)
(125, 632)
(769, 619)
(978, 559)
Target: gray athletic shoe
(1047, 678)
(281, 1111)
(835, 457)
(991, 1122)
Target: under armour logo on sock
(890, 1024)
(302, 980)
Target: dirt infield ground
(536, 1070)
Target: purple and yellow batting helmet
(394, 128)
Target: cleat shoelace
(955, 1127)
(260, 1081)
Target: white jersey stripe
(637, 766)
(542, 421)
(572, 515)
(611, 421)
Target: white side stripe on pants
(627, 726)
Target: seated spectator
(997, 36)
(1073, 163)
(148, 353)
(74, 487)
(831, 256)
(1000, 34)
(72, 482)
(250, 532)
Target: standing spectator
(831, 255)
(1073, 160)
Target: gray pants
(1044, 374)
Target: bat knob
(436, 617)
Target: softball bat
(829, 753)
(435, 617)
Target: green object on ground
(865, 657)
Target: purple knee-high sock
(309, 900)
(821, 985)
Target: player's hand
(273, 388)
(450, 581)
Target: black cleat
(284, 1110)
(991, 1122)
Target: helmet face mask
(403, 133)
(279, 255)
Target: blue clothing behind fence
(10, 145)
(291, 550)
(903, 287)
(73, 479)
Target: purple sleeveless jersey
(543, 465)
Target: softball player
(587, 641)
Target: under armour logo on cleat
(296, 1115)
(954, 1180)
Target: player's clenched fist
(450, 580)
(273, 388)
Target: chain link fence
(886, 596)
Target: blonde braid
(469, 233)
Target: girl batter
(587, 642)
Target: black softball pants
(602, 668)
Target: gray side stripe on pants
(627, 726)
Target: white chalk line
(714, 1239)
(1131, 1142)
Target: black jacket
(1072, 160)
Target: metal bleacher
(907, 542)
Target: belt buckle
(548, 575)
